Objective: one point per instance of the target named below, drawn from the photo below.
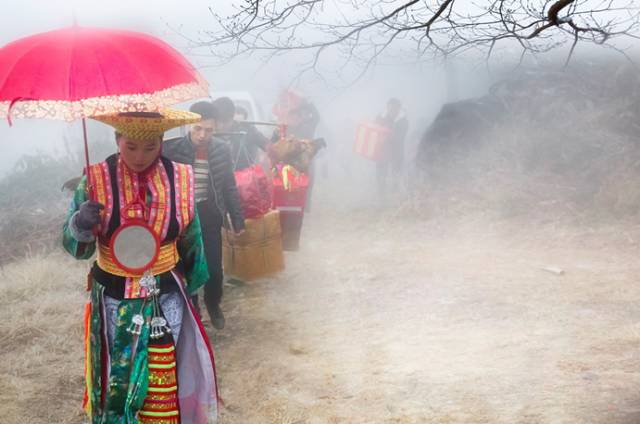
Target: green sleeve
(191, 251)
(77, 249)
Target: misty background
(423, 87)
(498, 284)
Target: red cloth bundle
(254, 190)
(290, 189)
(289, 197)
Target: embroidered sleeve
(185, 195)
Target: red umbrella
(79, 72)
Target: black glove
(88, 215)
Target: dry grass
(41, 358)
(380, 320)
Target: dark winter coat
(222, 192)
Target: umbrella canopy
(79, 72)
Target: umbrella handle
(87, 172)
(86, 158)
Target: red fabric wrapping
(294, 197)
(255, 191)
(290, 202)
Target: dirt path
(381, 319)
(426, 322)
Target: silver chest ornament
(148, 282)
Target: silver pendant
(148, 282)
(159, 327)
(137, 321)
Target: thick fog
(423, 87)
(491, 277)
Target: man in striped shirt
(216, 195)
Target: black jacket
(223, 192)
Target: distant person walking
(244, 139)
(389, 167)
(302, 118)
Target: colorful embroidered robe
(117, 377)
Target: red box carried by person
(370, 140)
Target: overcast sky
(27, 16)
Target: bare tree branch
(363, 31)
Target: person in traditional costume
(148, 358)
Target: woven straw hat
(148, 125)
